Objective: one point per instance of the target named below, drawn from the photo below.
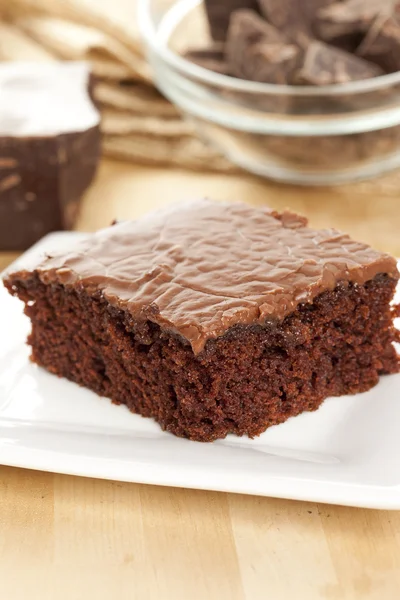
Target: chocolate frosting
(201, 267)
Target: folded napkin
(15, 45)
(75, 41)
(138, 123)
(135, 98)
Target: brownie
(49, 148)
(214, 318)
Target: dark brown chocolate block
(294, 17)
(214, 318)
(209, 58)
(266, 42)
(49, 149)
(257, 51)
(348, 20)
(382, 44)
(219, 13)
(326, 65)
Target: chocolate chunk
(208, 58)
(248, 24)
(344, 24)
(270, 48)
(257, 51)
(294, 17)
(271, 63)
(326, 65)
(346, 18)
(49, 148)
(219, 13)
(382, 44)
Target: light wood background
(68, 538)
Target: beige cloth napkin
(115, 18)
(188, 152)
(135, 98)
(14, 45)
(138, 123)
(74, 41)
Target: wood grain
(67, 538)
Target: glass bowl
(298, 134)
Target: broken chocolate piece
(268, 45)
(271, 63)
(326, 65)
(208, 58)
(219, 13)
(256, 51)
(49, 148)
(347, 18)
(382, 44)
(344, 24)
(294, 17)
(248, 24)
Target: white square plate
(348, 452)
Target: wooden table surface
(68, 538)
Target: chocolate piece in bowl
(294, 17)
(214, 318)
(382, 43)
(208, 58)
(257, 51)
(49, 148)
(327, 65)
(219, 13)
(345, 23)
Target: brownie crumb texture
(214, 318)
(242, 382)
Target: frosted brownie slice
(214, 318)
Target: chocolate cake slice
(214, 318)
